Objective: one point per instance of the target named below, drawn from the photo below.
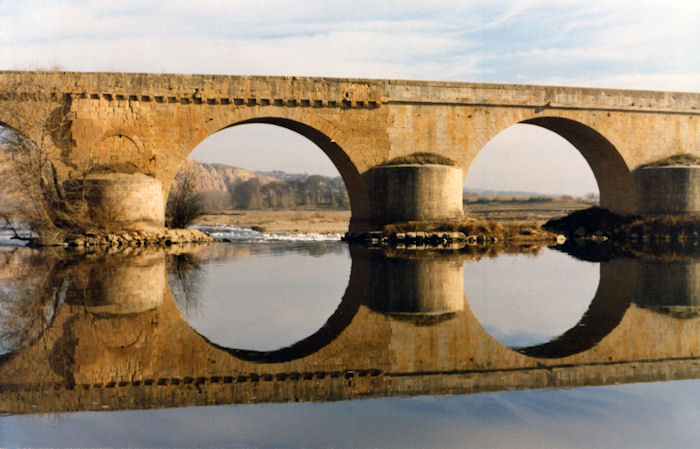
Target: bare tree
(32, 195)
(186, 275)
(30, 302)
(184, 204)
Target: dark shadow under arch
(617, 191)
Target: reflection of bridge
(126, 351)
(152, 122)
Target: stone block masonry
(151, 122)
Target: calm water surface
(316, 344)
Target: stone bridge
(125, 345)
(147, 124)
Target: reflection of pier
(416, 286)
(670, 287)
(150, 357)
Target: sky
(637, 44)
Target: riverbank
(275, 221)
(456, 234)
(121, 239)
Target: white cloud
(643, 44)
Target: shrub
(184, 205)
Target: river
(300, 341)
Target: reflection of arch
(613, 297)
(17, 133)
(617, 191)
(13, 129)
(359, 202)
(333, 327)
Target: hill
(222, 186)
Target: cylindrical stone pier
(414, 192)
(118, 201)
(668, 190)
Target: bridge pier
(668, 190)
(119, 201)
(414, 192)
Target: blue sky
(637, 44)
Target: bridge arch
(615, 183)
(608, 165)
(324, 137)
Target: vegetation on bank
(221, 187)
(482, 230)
(34, 196)
(601, 223)
(184, 204)
(310, 192)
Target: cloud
(504, 41)
(596, 43)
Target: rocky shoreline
(126, 239)
(450, 239)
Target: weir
(147, 124)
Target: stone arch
(121, 152)
(615, 182)
(357, 193)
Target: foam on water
(235, 234)
(220, 233)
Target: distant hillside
(221, 177)
(473, 192)
(284, 176)
(223, 186)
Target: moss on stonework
(421, 159)
(676, 159)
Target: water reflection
(91, 329)
(671, 287)
(614, 295)
(525, 300)
(117, 284)
(31, 293)
(417, 286)
(259, 297)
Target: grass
(601, 221)
(421, 159)
(537, 208)
(469, 226)
(676, 159)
